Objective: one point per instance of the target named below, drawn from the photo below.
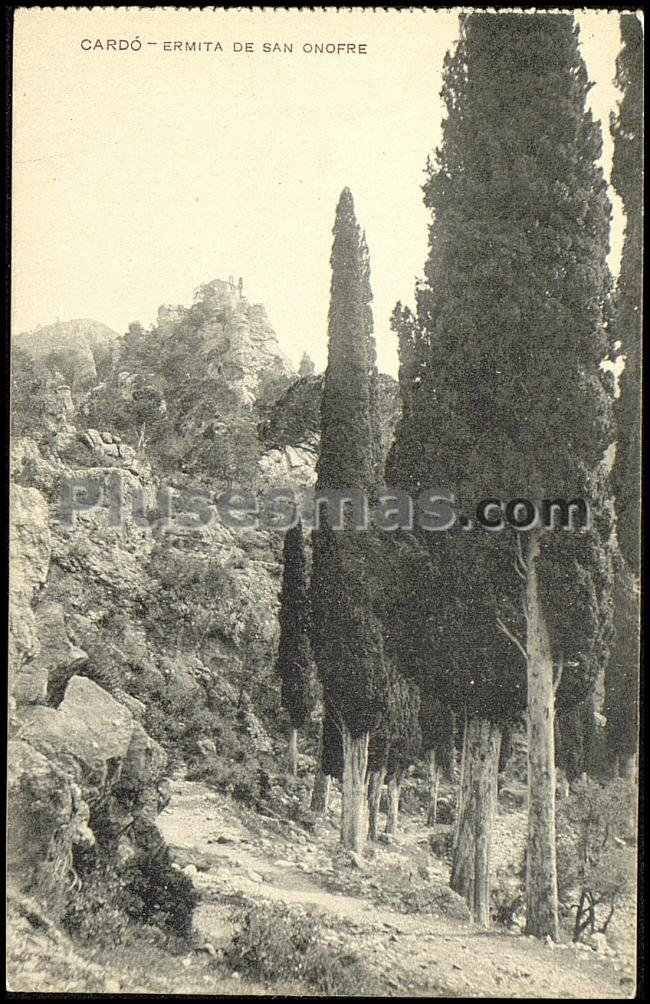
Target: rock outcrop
(139, 640)
(77, 346)
(238, 341)
(80, 769)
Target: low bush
(441, 842)
(243, 781)
(507, 895)
(109, 902)
(274, 944)
(595, 859)
(436, 899)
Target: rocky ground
(237, 857)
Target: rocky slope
(138, 641)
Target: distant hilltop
(86, 341)
(238, 341)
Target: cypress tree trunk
(394, 788)
(470, 874)
(354, 808)
(320, 796)
(462, 797)
(434, 773)
(541, 866)
(485, 769)
(628, 767)
(374, 799)
(293, 751)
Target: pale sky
(139, 175)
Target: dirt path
(414, 955)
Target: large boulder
(46, 816)
(89, 725)
(56, 653)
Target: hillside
(147, 743)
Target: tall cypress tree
(627, 178)
(347, 639)
(622, 676)
(622, 672)
(294, 662)
(512, 306)
(373, 372)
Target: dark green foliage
(622, 673)
(405, 737)
(294, 662)
(160, 895)
(500, 378)
(517, 259)
(345, 459)
(274, 943)
(437, 725)
(440, 631)
(396, 741)
(580, 742)
(347, 638)
(332, 746)
(114, 901)
(627, 179)
(373, 372)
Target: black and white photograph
(324, 434)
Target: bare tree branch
(520, 563)
(506, 631)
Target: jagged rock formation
(238, 342)
(136, 637)
(73, 766)
(79, 346)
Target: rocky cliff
(143, 639)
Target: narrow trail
(414, 955)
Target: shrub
(436, 899)
(507, 895)
(111, 900)
(274, 944)
(441, 842)
(244, 781)
(155, 893)
(595, 825)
